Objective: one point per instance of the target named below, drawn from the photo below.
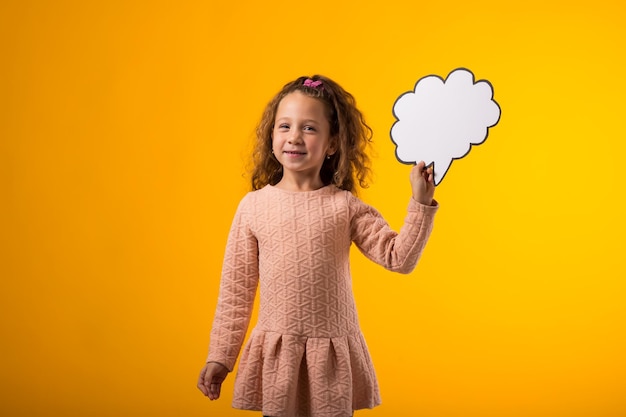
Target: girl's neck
(299, 184)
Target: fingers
(430, 175)
(202, 386)
(210, 388)
(416, 172)
(420, 170)
(215, 390)
(210, 380)
(423, 182)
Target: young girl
(291, 236)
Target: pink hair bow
(313, 84)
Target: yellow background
(124, 129)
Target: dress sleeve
(239, 281)
(395, 251)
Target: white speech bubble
(441, 119)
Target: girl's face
(301, 137)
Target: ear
(332, 147)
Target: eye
(283, 126)
(309, 128)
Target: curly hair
(349, 135)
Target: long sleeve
(395, 251)
(239, 281)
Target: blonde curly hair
(350, 136)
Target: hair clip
(313, 84)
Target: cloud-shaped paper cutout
(441, 119)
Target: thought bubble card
(440, 120)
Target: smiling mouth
(294, 153)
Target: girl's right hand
(211, 378)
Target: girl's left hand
(423, 183)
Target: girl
(291, 236)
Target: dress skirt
(288, 375)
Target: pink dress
(306, 355)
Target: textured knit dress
(306, 355)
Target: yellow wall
(123, 131)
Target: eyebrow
(282, 119)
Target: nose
(295, 136)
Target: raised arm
(395, 251)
